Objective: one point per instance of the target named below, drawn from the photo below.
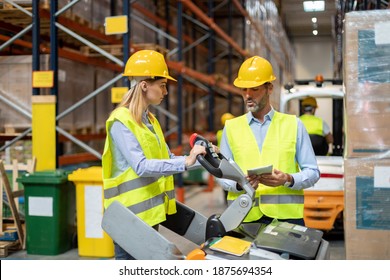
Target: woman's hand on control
(195, 151)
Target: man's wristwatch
(289, 183)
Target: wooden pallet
(15, 128)
(80, 20)
(86, 130)
(12, 195)
(7, 6)
(8, 246)
(16, 16)
(149, 46)
(117, 50)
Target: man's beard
(253, 109)
(258, 106)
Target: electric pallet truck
(276, 241)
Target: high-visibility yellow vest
(313, 124)
(150, 198)
(219, 137)
(279, 149)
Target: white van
(324, 203)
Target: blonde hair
(134, 101)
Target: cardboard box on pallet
(367, 82)
(15, 86)
(365, 53)
(368, 130)
(367, 208)
(76, 81)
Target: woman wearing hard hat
(137, 163)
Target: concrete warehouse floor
(207, 203)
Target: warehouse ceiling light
(315, 32)
(314, 6)
(313, 19)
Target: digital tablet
(260, 170)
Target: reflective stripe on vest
(129, 186)
(313, 124)
(282, 199)
(145, 205)
(150, 198)
(277, 199)
(278, 149)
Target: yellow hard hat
(254, 72)
(147, 63)
(309, 101)
(225, 117)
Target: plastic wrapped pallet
(367, 164)
(367, 82)
(367, 208)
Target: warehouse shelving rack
(196, 33)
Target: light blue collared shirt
(127, 152)
(304, 156)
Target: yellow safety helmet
(254, 72)
(309, 101)
(147, 63)
(225, 117)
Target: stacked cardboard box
(15, 86)
(367, 82)
(367, 214)
(367, 109)
(76, 81)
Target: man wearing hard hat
(265, 137)
(318, 129)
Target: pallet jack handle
(219, 166)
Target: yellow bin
(92, 240)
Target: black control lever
(210, 161)
(219, 166)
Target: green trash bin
(50, 212)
